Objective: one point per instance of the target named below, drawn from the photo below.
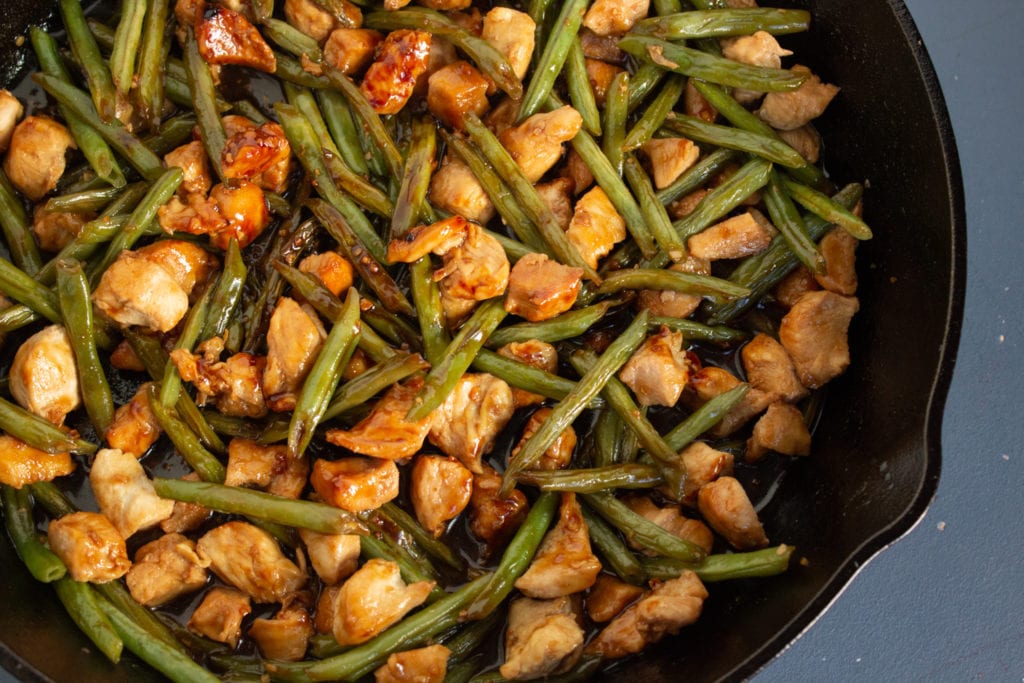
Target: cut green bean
(654, 211)
(791, 226)
(204, 100)
(18, 285)
(80, 602)
(195, 320)
(581, 94)
(38, 433)
(726, 566)
(705, 417)
(40, 561)
(645, 79)
(126, 48)
(697, 175)
(227, 294)
(723, 23)
(827, 208)
(205, 463)
(594, 480)
(616, 110)
(361, 389)
(467, 641)
(361, 108)
(671, 280)
(612, 548)
(52, 499)
(343, 129)
(426, 295)
(526, 377)
(641, 531)
(152, 56)
(17, 235)
(654, 116)
(607, 439)
(82, 202)
(292, 39)
(551, 61)
(419, 164)
(565, 326)
(87, 54)
(432, 546)
(764, 146)
(691, 329)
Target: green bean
(551, 61)
(791, 226)
(459, 355)
(691, 329)
(17, 316)
(291, 70)
(76, 306)
(614, 551)
(80, 602)
(87, 54)
(361, 108)
(378, 545)
(419, 164)
(607, 439)
(654, 116)
(174, 132)
(671, 280)
(374, 346)
(723, 23)
(593, 480)
(343, 129)
(315, 396)
(361, 389)
(195, 320)
(565, 326)
(312, 289)
(292, 39)
(705, 417)
(19, 286)
(251, 111)
(645, 79)
(17, 236)
(432, 546)
(690, 62)
(764, 146)
(526, 377)
(390, 326)
(51, 498)
(467, 641)
(126, 47)
(227, 294)
(581, 94)
(516, 558)
(827, 208)
(40, 561)
(641, 531)
(152, 56)
(616, 109)
(82, 202)
(654, 211)
(464, 671)
(341, 10)
(697, 175)
(427, 297)
(566, 412)
(205, 463)
(514, 249)
(204, 98)
(725, 567)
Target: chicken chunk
(668, 607)
(537, 143)
(494, 519)
(559, 454)
(125, 494)
(758, 49)
(310, 18)
(248, 558)
(227, 37)
(189, 264)
(805, 140)
(794, 286)
(543, 637)
(235, 209)
(235, 385)
(165, 569)
(814, 332)
(726, 507)
(512, 33)
(10, 111)
(672, 520)
(607, 17)
(186, 516)
(21, 464)
(596, 227)
(374, 598)
(770, 369)
(675, 304)
(670, 158)
(54, 230)
(191, 158)
(294, 339)
(35, 155)
(385, 433)
(795, 108)
(537, 354)
(781, 429)
(469, 420)
(440, 489)
(539, 288)
(703, 464)
(658, 371)
(351, 50)
(134, 427)
(391, 78)
(456, 189)
(609, 596)
(736, 237)
(423, 665)
(271, 468)
(600, 74)
(331, 268)
(89, 545)
(219, 616)
(123, 357)
(136, 290)
(43, 375)
(564, 563)
(557, 196)
(355, 484)
(839, 247)
(455, 90)
(333, 556)
(576, 170)
(696, 105)
(324, 619)
(286, 636)
(260, 154)
(709, 382)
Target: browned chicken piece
(669, 606)
(564, 563)
(227, 37)
(125, 494)
(455, 90)
(423, 665)
(726, 507)
(672, 520)
(539, 288)
(260, 154)
(559, 454)
(600, 74)
(814, 332)
(43, 375)
(324, 619)
(191, 158)
(219, 616)
(236, 209)
(165, 569)
(703, 464)
(795, 108)
(331, 268)
(806, 140)
(770, 369)
(186, 516)
(609, 596)
(35, 155)
(454, 188)
(543, 637)
(696, 105)
(374, 598)
(445, 5)
(10, 111)
(385, 433)
(503, 115)
(401, 59)
(188, 263)
(512, 33)
(286, 636)
(442, 53)
(310, 18)
(189, 12)
(537, 354)
(248, 558)
(55, 229)
(758, 49)
(123, 357)
(687, 204)
(781, 429)
(294, 338)
(89, 545)
(605, 48)
(355, 484)
(351, 50)
(440, 489)
(333, 556)
(234, 385)
(839, 248)
(469, 420)
(360, 363)
(392, 5)
(736, 237)
(494, 519)
(269, 467)
(670, 158)
(658, 371)
(576, 170)
(794, 286)
(596, 226)
(675, 304)
(557, 196)
(134, 427)
(538, 142)
(709, 382)
(607, 17)
(21, 464)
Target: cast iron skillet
(876, 450)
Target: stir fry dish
(417, 342)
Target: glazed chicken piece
(227, 37)
(440, 489)
(136, 290)
(466, 424)
(374, 598)
(219, 616)
(21, 464)
(286, 636)
(355, 484)
(709, 382)
(672, 520)
(248, 558)
(600, 74)
(537, 354)
(10, 111)
(703, 464)
(794, 286)
(310, 18)
(770, 369)
(294, 338)
(726, 507)
(125, 494)
(35, 155)
(54, 230)
(537, 143)
(89, 545)
(668, 607)
(186, 516)
(134, 427)
(423, 665)
(814, 332)
(758, 49)
(596, 227)
(234, 385)
(607, 17)
(576, 170)
(512, 33)
(540, 289)
(323, 620)
(43, 375)
(391, 78)
(331, 268)
(605, 48)
(839, 247)
(455, 189)
(447, 5)
(235, 209)
(557, 196)
(670, 158)
(609, 596)
(781, 429)
(188, 263)
(687, 204)
(271, 468)
(658, 371)
(543, 637)
(191, 158)
(494, 519)
(696, 105)
(736, 237)
(564, 563)
(455, 90)
(260, 154)
(805, 140)
(795, 108)
(333, 556)
(559, 454)
(385, 433)
(351, 50)
(675, 304)
(165, 569)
